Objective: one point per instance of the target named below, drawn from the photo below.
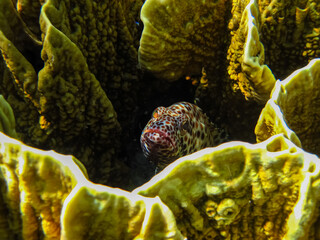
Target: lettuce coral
(88, 51)
(78, 95)
(285, 37)
(263, 35)
(293, 109)
(242, 191)
(7, 120)
(98, 212)
(34, 184)
(46, 195)
(236, 190)
(246, 56)
(180, 37)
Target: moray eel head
(175, 131)
(159, 137)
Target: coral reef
(280, 35)
(28, 11)
(289, 33)
(260, 35)
(69, 69)
(294, 109)
(180, 37)
(246, 56)
(88, 51)
(239, 190)
(235, 191)
(98, 212)
(35, 184)
(7, 120)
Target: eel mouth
(163, 135)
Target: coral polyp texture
(46, 195)
(239, 190)
(7, 120)
(88, 51)
(282, 35)
(277, 35)
(34, 184)
(246, 56)
(179, 37)
(244, 47)
(94, 211)
(294, 109)
(71, 82)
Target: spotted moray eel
(178, 130)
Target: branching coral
(242, 191)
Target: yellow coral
(23, 72)
(35, 184)
(288, 32)
(18, 76)
(63, 106)
(71, 100)
(180, 37)
(40, 188)
(98, 212)
(294, 109)
(242, 191)
(7, 120)
(246, 57)
(106, 34)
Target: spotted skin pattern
(178, 130)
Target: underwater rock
(238, 190)
(294, 109)
(38, 189)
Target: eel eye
(186, 127)
(158, 111)
(155, 114)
